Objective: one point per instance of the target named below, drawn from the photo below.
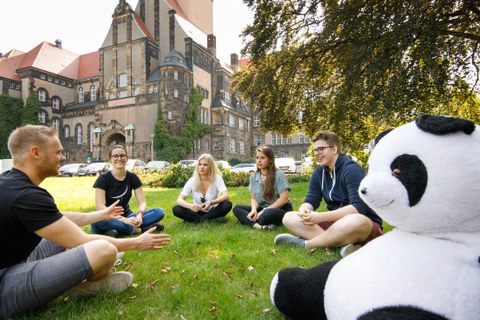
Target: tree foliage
(31, 110)
(356, 66)
(174, 148)
(10, 118)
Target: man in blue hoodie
(349, 222)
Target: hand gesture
(196, 207)
(252, 215)
(139, 220)
(309, 217)
(113, 211)
(152, 241)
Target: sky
(83, 25)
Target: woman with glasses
(269, 194)
(118, 184)
(348, 223)
(209, 194)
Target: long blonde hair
(197, 181)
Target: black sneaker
(159, 227)
(111, 233)
(269, 227)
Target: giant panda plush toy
(424, 179)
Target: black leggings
(221, 210)
(269, 216)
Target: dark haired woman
(118, 184)
(269, 194)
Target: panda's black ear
(441, 125)
(380, 136)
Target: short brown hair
(331, 138)
(23, 138)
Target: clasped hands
(309, 217)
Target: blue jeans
(151, 216)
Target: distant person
(349, 223)
(269, 194)
(209, 194)
(45, 253)
(118, 184)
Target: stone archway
(111, 138)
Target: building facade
(154, 53)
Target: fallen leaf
(195, 277)
(132, 298)
(134, 285)
(312, 251)
(251, 268)
(234, 255)
(227, 275)
(239, 296)
(266, 310)
(152, 285)
(166, 269)
(182, 317)
(213, 302)
(120, 312)
(212, 309)
(274, 251)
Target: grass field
(209, 271)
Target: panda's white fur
(431, 260)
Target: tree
(10, 118)
(174, 148)
(357, 67)
(31, 110)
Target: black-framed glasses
(203, 199)
(320, 149)
(119, 156)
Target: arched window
(56, 123)
(91, 127)
(42, 95)
(93, 93)
(66, 131)
(42, 117)
(79, 133)
(80, 95)
(56, 103)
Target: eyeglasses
(320, 149)
(203, 199)
(119, 156)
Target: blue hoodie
(339, 188)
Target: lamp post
(152, 148)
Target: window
(80, 95)
(42, 117)
(122, 80)
(56, 123)
(175, 75)
(169, 115)
(79, 134)
(242, 147)
(240, 124)
(258, 140)
(289, 140)
(233, 145)
(227, 96)
(155, 88)
(93, 93)
(175, 93)
(56, 103)
(273, 138)
(42, 95)
(66, 131)
(256, 121)
(122, 94)
(90, 137)
(231, 120)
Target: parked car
(157, 165)
(222, 164)
(71, 169)
(94, 169)
(188, 162)
(135, 164)
(245, 167)
(287, 165)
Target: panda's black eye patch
(412, 173)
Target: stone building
(156, 52)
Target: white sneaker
(114, 282)
(348, 249)
(120, 255)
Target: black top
(25, 208)
(115, 189)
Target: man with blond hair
(45, 253)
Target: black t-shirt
(25, 208)
(115, 189)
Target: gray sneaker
(348, 249)
(114, 282)
(288, 239)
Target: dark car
(157, 165)
(94, 169)
(71, 169)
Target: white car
(71, 169)
(187, 163)
(222, 164)
(135, 164)
(245, 167)
(287, 165)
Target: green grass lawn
(209, 271)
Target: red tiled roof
(142, 26)
(175, 6)
(89, 65)
(9, 64)
(244, 62)
(49, 57)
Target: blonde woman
(209, 193)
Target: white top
(212, 193)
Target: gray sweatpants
(49, 272)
